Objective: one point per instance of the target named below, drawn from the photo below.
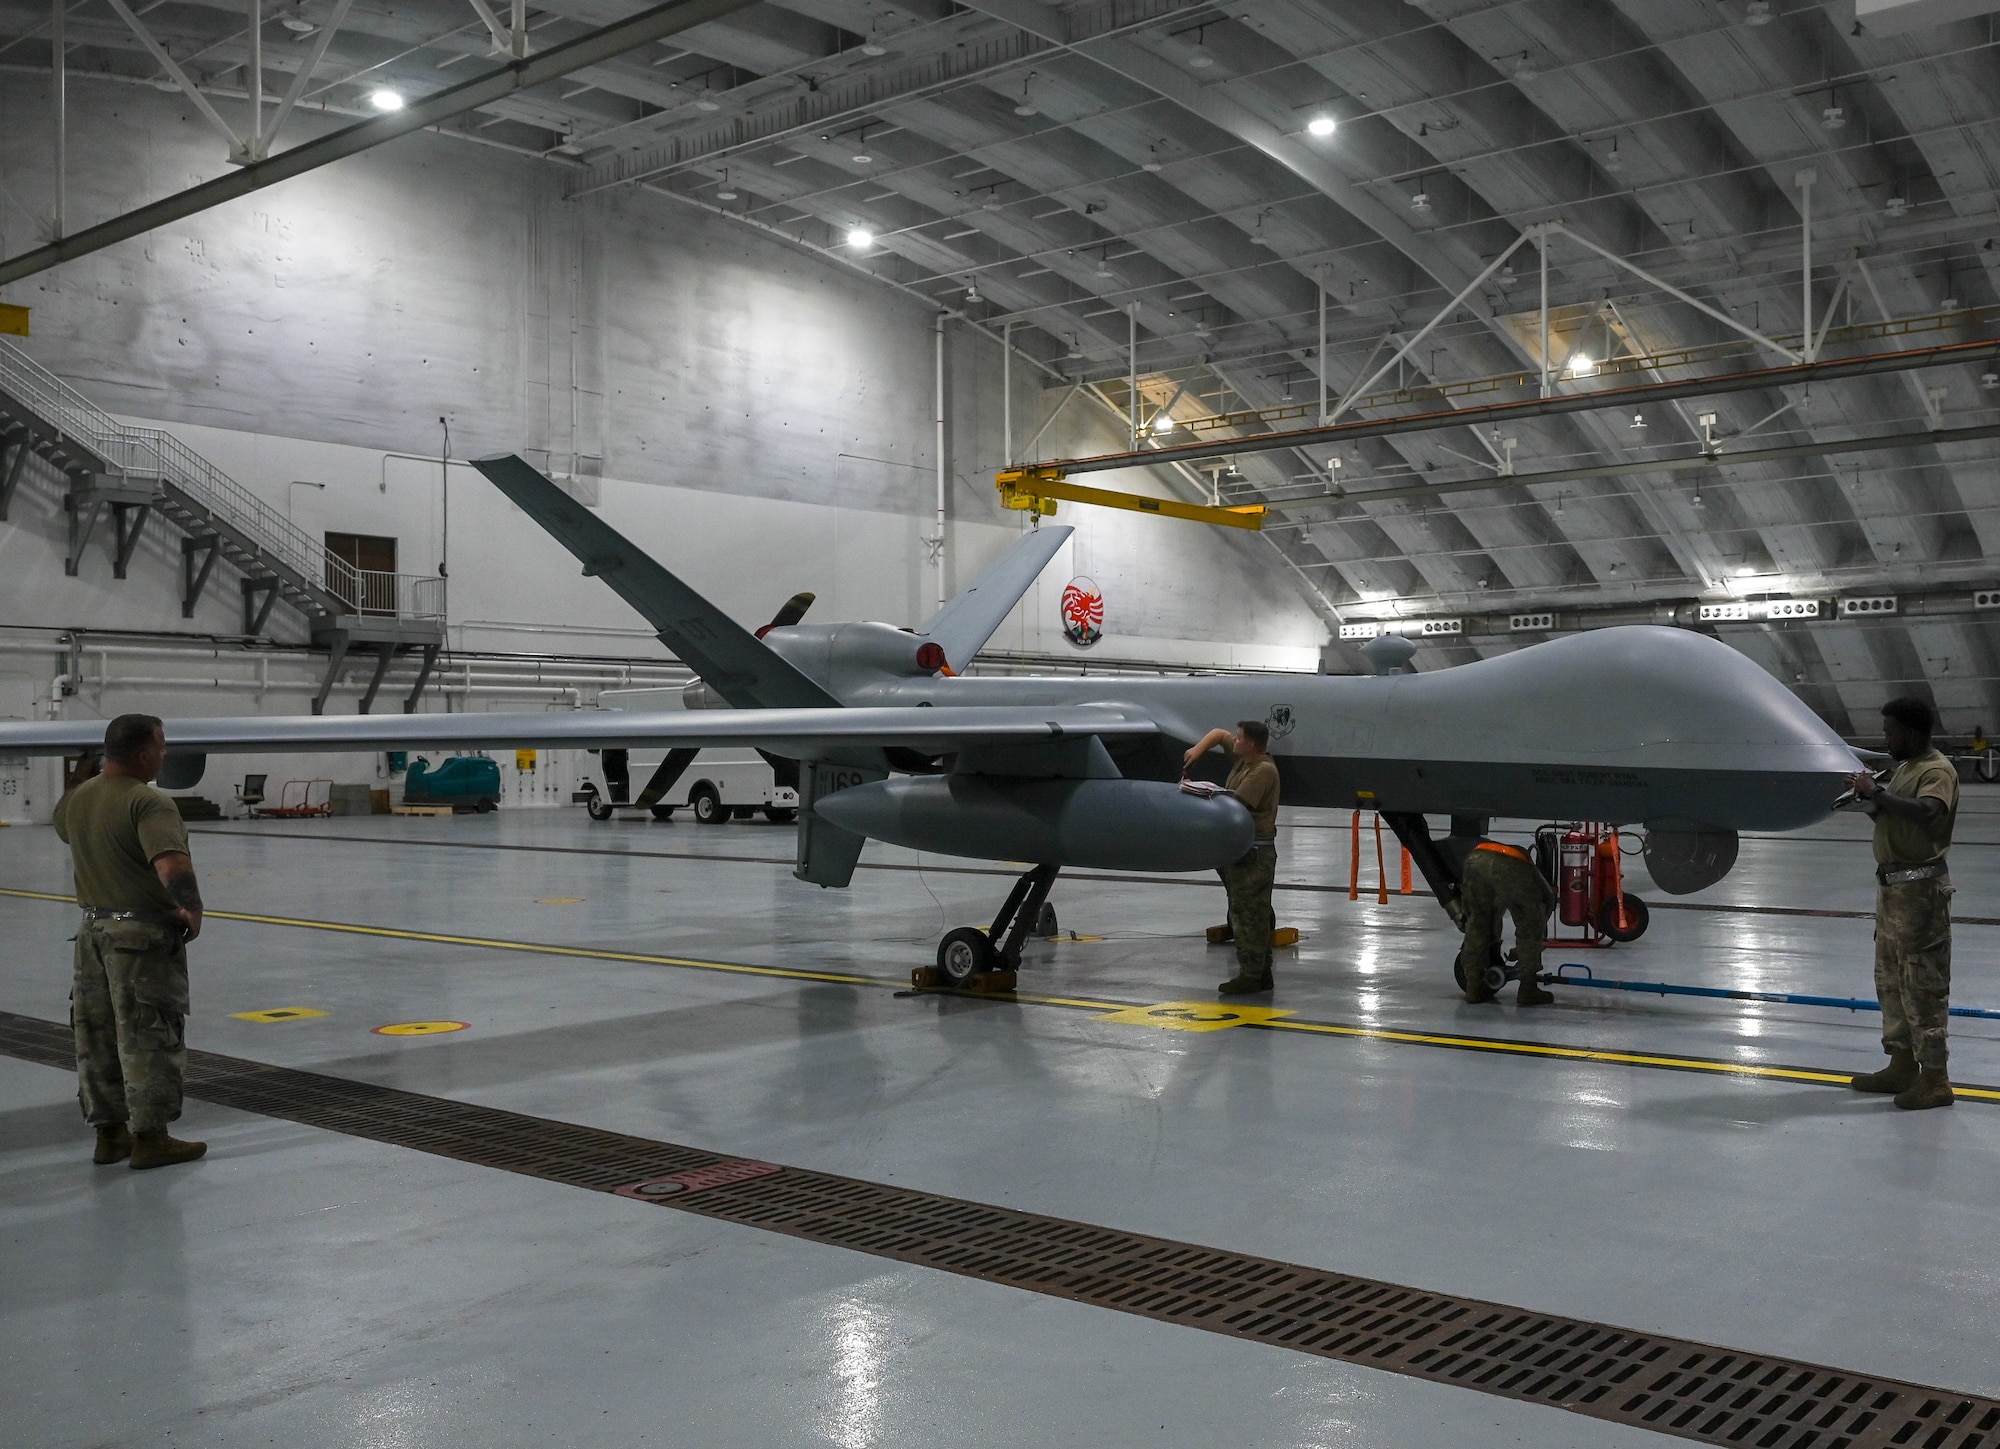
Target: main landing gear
(969, 959)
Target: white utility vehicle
(717, 785)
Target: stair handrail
(154, 452)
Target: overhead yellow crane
(1036, 491)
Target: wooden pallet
(421, 810)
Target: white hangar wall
(760, 418)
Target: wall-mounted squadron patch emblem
(1082, 613)
(1280, 721)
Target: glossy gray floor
(304, 1289)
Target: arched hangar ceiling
(1074, 176)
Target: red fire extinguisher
(1574, 879)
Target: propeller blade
(793, 611)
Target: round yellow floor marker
(419, 1028)
(278, 1013)
(558, 900)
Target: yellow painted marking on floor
(1073, 939)
(558, 900)
(1194, 1015)
(277, 1013)
(419, 1028)
(1530, 1050)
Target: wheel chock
(926, 978)
(1219, 934)
(992, 983)
(1285, 936)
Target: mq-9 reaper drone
(1647, 725)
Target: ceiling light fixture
(1582, 366)
(1897, 205)
(863, 159)
(707, 105)
(873, 44)
(1420, 202)
(861, 238)
(298, 25)
(1162, 425)
(1612, 160)
(385, 100)
(1321, 125)
(725, 192)
(1757, 12)
(1026, 106)
(1201, 60)
(1833, 117)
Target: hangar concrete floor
(302, 1287)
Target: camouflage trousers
(1250, 916)
(1496, 887)
(1913, 967)
(128, 1008)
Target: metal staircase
(137, 472)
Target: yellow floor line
(1529, 1050)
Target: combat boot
(1932, 1089)
(1532, 993)
(1221, 935)
(1899, 1076)
(114, 1143)
(1247, 982)
(157, 1149)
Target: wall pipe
(943, 466)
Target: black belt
(1890, 875)
(98, 913)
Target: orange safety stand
(1381, 866)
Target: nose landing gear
(969, 959)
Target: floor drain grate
(1674, 1386)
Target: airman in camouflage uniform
(1500, 881)
(129, 997)
(1254, 781)
(1914, 812)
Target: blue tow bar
(1660, 988)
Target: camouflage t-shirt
(116, 828)
(1930, 776)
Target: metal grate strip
(1690, 1390)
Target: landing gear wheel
(708, 808)
(1624, 919)
(780, 814)
(964, 954)
(1045, 923)
(598, 808)
(664, 812)
(1497, 974)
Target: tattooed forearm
(176, 873)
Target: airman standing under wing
(1254, 781)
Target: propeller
(783, 771)
(794, 610)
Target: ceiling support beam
(305, 72)
(1621, 397)
(518, 75)
(1699, 462)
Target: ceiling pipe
(1651, 394)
